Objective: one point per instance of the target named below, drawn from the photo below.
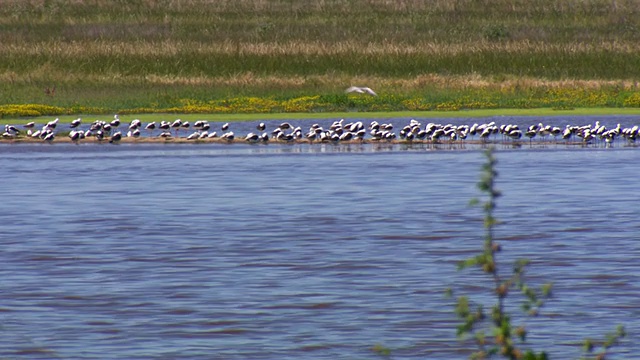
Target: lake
(305, 251)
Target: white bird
(361, 90)
(75, 123)
(229, 136)
(115, 123)
(49, 136)
(252, 138)
(76, 135)
(134, 133)
(135, 123)
(52, 124)
(115, 138)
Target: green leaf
(381, 350)
(588, 345)
(467, 263)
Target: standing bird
(116, 122)
(52, 124)
(176, 125)
(75, 123)
(150, 127)
(531, 133)
(361, 90)
(135, 123)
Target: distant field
(247, 56)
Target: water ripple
(241, 252)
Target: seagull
(361, 90)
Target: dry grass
(154, 53)
(169, 48)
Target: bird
(11, 129)
(52, 124)
(115, 137)
(252, 137)
(135, 133)
(135, 123)
(261, 126)
(361, 90)
(177, 124)
(7, 134)
(229, 136)
(76, 135)
(225, 127)
(115, 123)
(284, 126)
(75, 123)
(49, 137)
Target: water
(216, 251)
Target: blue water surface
(307, 251)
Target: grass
(152, 56)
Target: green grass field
(195, 56)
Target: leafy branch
(493, 331)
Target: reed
(151, 54)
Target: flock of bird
(338, 131)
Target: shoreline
(218, 140)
